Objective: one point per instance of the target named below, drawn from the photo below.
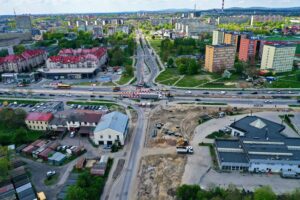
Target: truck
(184, 150)
(150, 96)
(116, 89)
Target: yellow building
(278, 58)
(219, 57)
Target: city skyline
(107, 6)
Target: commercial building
(259, 145)
(218, 37)
(112, 128)
(75, 64)
(278, 58)
(219, 57)
(38, 121)
(28, 60)
(249, 49)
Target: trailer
(184, 150)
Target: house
(38, 121)
(112, 127)
(260, 146)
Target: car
(51, 173)
(205, 92)
(254, 92)
(239, 93)
(91, 89)
(100, 96)
(223, 92)
(188, 92)
(51, 95)
(92, 96)
(268, 101)
(270, 92)
(197, 99)
(298, 101)
(291, 92)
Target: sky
(89, 6)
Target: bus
(63, 86)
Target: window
(101, 136)
(109, 136)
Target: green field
(283, 38)
(124, 79)
(286, 80)
(155, 44)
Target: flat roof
(69, 70)
(233, 157)
(223, 143)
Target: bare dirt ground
(179, 119)
(159, 176)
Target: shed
(20, 148)
(44, 154)
(80, 163)
(29, 149)
(53, 145)
(57, 158)
(9, 195)
(99, 168)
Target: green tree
(3, 52)
(75, 192)
(239, 67)
(298, 77)
(187, 192)
(264, 193)
(182, 69)
(19, 49)
(170, 62)
(21, 136)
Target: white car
(51, 173)
(188, 92)
(72, 134)
(223, 92)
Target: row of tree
(194, 192)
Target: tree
(264, 193)
(21, 136)
(76, 193)
(239, 67)
(182, 69)
(4, 167)
(187, 192)
(298, 77)
(170, 62)
(84, 180)
(19, 49)
(3, 52)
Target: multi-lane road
(122, 187)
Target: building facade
(219, 57)
(28, 60)
(75, 64)
(38, 121)
(112, 128)
(249, 49)
(278, 58)
(258, 145)
(218, 37)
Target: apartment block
(218, 37)
(219, 57)
(278, 58)
(249, 49)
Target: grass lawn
(282, 38)
(155, 44)
(168, 77)
(124, 79)
(191, 81)
(21, 101)
(51, 180)
(286, 80)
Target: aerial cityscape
(156, 99)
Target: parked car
(51, 173)
(72, 134)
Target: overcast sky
(84, 6)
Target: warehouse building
(259, 146)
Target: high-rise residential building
(218, 37)
(278, 58)
(23, 23)
(219, 57)
(249, 49)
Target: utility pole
(223, 2)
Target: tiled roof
(39, 117)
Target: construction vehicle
(182, 142)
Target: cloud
(79, 6)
